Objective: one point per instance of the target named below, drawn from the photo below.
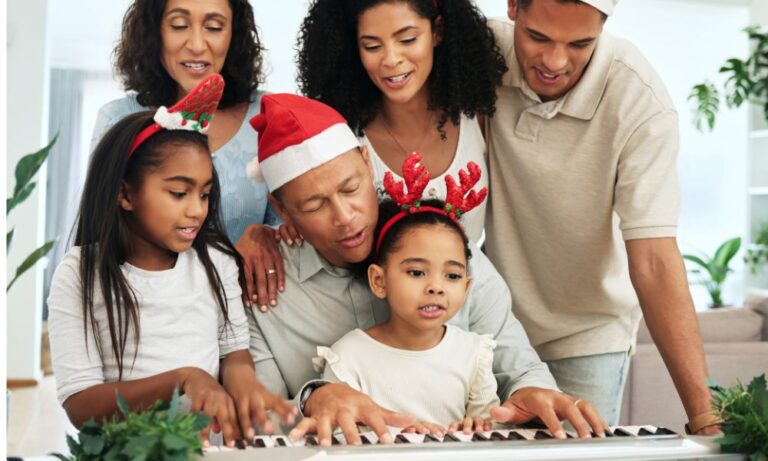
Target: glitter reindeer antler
(416, 179)
(457, 200)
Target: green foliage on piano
(745, 412)
(161, 433)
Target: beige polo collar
(582, 101)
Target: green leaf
(729, 439)
(122, 405)
(727, 251)
(8, 240)
(19, 197)
(712, 384)
(706, 100)
(92, 444)
(174, 442)
(758, 382)
(173, 410)
(696, 260)
(29, 164)
(31, 260)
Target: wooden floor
(37, 424)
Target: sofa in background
(736, 348)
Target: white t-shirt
(443, 384)
(470, 147)
(181, 325)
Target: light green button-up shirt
(321, 303)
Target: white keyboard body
(527, 447)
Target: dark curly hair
(138, 55)
(467, 63)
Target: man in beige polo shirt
(584, 202)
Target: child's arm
(203, 390)
(250, 397)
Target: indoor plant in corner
(25, 170)
(715, 269)
(746, 81)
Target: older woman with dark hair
(166, 48)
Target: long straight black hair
(102, 232)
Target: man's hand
(550, 406)
(264, 274)
(338, 405)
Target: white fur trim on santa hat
(606, 6)
(294, 161)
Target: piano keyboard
(624, 442)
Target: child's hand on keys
(426, 427)
(469, 425)
(210, 398)
(252, 401)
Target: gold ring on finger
(577, 402)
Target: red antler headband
(193, 113)
(459, 198)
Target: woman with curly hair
(167, 47)
(408, 75)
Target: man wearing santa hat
(583, 206)
(321, 182)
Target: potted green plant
(715, 269)
(746, 81)
(744, 412)
(160, 433)
(25, 172)
(756, 254)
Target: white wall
(26, 124)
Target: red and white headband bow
(193, 113)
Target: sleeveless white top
(471, 147)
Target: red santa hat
(296, 134)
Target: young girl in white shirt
(415, 363)
(149, 298)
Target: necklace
(421, 141)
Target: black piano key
(515, 436)
(569, 436)
(430, 438)
(497, 436)
(608, 433)
(281, 442)
(664, 431)
(450, 438)
(335, 441)
(240, 444)
(541, 435)
(478, 437)
(643, 432)
(365, 440)
(400, 438)
(259, 443)
(311, 441)
(621, 432)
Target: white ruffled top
(443, 384)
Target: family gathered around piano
(459, 224)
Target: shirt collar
(311, 262)
(582, 100)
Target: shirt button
(432, 192)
